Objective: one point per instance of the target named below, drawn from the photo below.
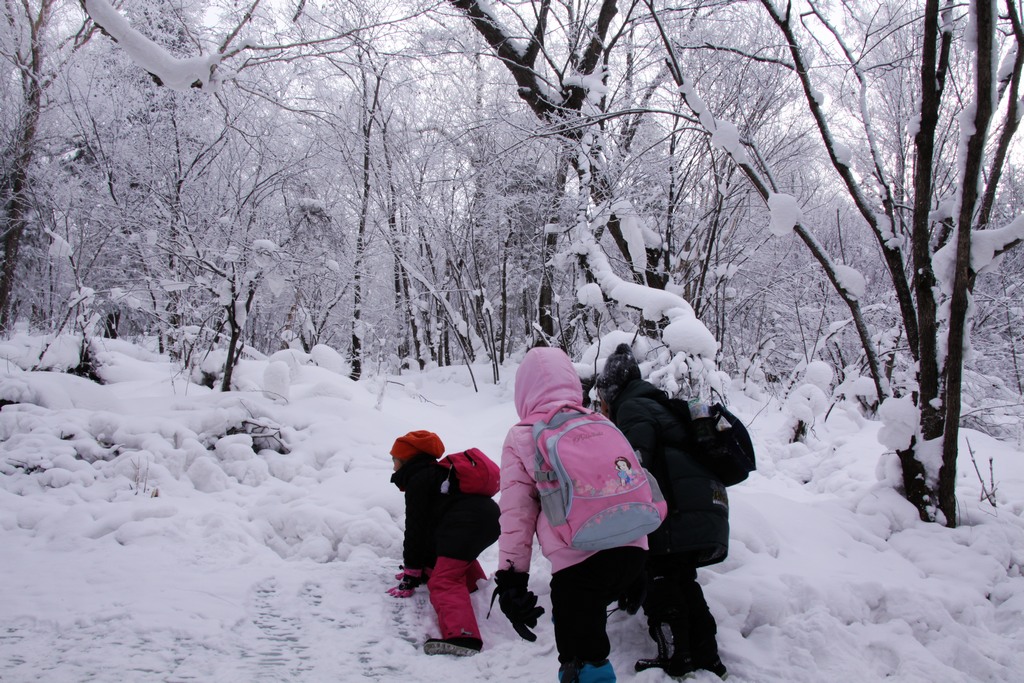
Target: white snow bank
(231, 537)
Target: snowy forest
(812, 204)
(451, 182)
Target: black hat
(620, 369)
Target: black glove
(633, 597)
(517, 602)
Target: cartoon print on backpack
(621, 475)
(625, 471)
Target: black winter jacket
(697, 524)
(451, 525)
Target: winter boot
(660, 661)
(677, 665)
(705, 656)
(587, 672)
(716, 667)
(460, 647)
(680, 664)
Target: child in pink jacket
(582, 583)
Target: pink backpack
(475, 472)
(591, 485)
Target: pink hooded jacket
(545, 380)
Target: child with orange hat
(445, 531)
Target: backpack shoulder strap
(659, 465)
(546, 418)
(553, 419)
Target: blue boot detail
(587, 672)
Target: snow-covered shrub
(678, 374)
(209, 370)
(277, 381)
(325, 357)
(808, 400)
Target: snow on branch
(636, 233)
(685, 333)
(785, 213)
(548, 101)
(173, 72)
(202, 71)
(518, 59)
(986, 247)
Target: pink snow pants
(450, 584)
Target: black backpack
(717, 439)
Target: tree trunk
(369, 112)
(959, 303)
(13, 227)
(14, 187)
(560, 107)
(549, 241)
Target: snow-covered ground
(154, 530)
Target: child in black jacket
(445, 531)
(695, 533)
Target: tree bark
(14, 186)
(369, 113)
(958, 313)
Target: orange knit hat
(414, 443)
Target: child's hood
(545, 379)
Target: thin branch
(736, 51)
(816, 249)
(246, 18)
(1012, 120)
